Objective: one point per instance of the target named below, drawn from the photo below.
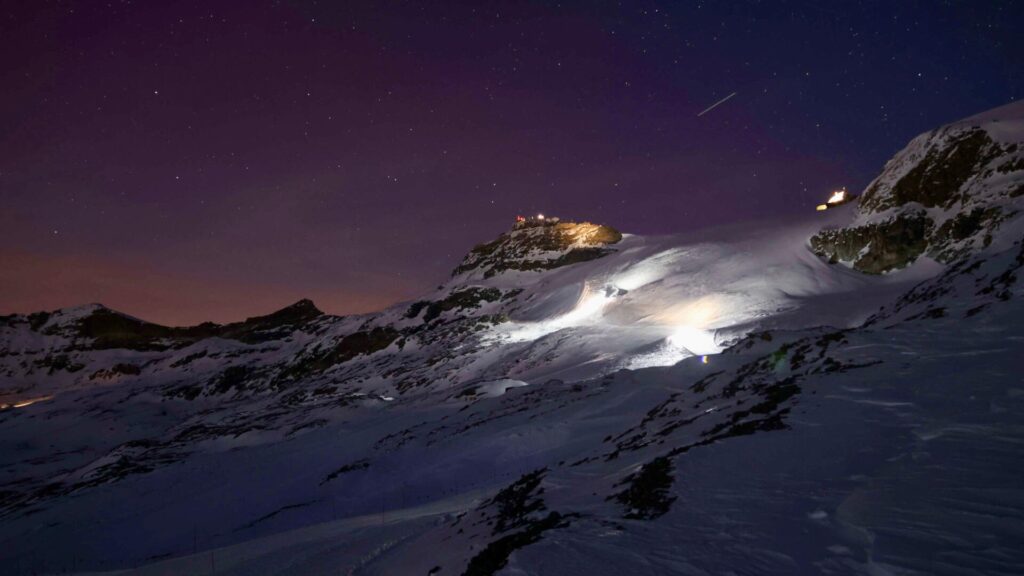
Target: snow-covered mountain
(945, 195)
(842, 393)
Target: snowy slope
(551, 414)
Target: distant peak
(75, 313)
(86, 309)
(302, 310)
(304, 304)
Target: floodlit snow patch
(649, 269)
(685, 342)
(665, 355)
(699, 342)
(698, 313)
(588, 310)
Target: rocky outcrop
(540, 247)
(944, 196)
(363, 342)
(952, 156)
(878, 247)
(466, 298)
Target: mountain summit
(539, 243)
(945, 195)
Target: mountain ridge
(618, 411)
(944, 195)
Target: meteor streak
(713, 106)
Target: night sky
(190, 161)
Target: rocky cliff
(943, 196)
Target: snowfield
(569, 402)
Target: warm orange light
(28, 402)
(698, 313)
(31, 401)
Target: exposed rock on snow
(544, 246)
(880, 246)
(944, 195)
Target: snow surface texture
(695, 404)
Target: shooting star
(715, 105)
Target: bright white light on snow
(648, 270)
(697, 341)
(589, 307)
(588, 311)
(699, 313)
(684, 342)
(664, 355)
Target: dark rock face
(876, 248)
(120, 369)
(519, 517)
(541, 247)
(350, 346)
(366, 342)
(979, 222)
(109, 329)
(272, 326)
(938, 178)
(647, 494)
(468, 298)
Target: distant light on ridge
(837, 196)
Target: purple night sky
(190, 161)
